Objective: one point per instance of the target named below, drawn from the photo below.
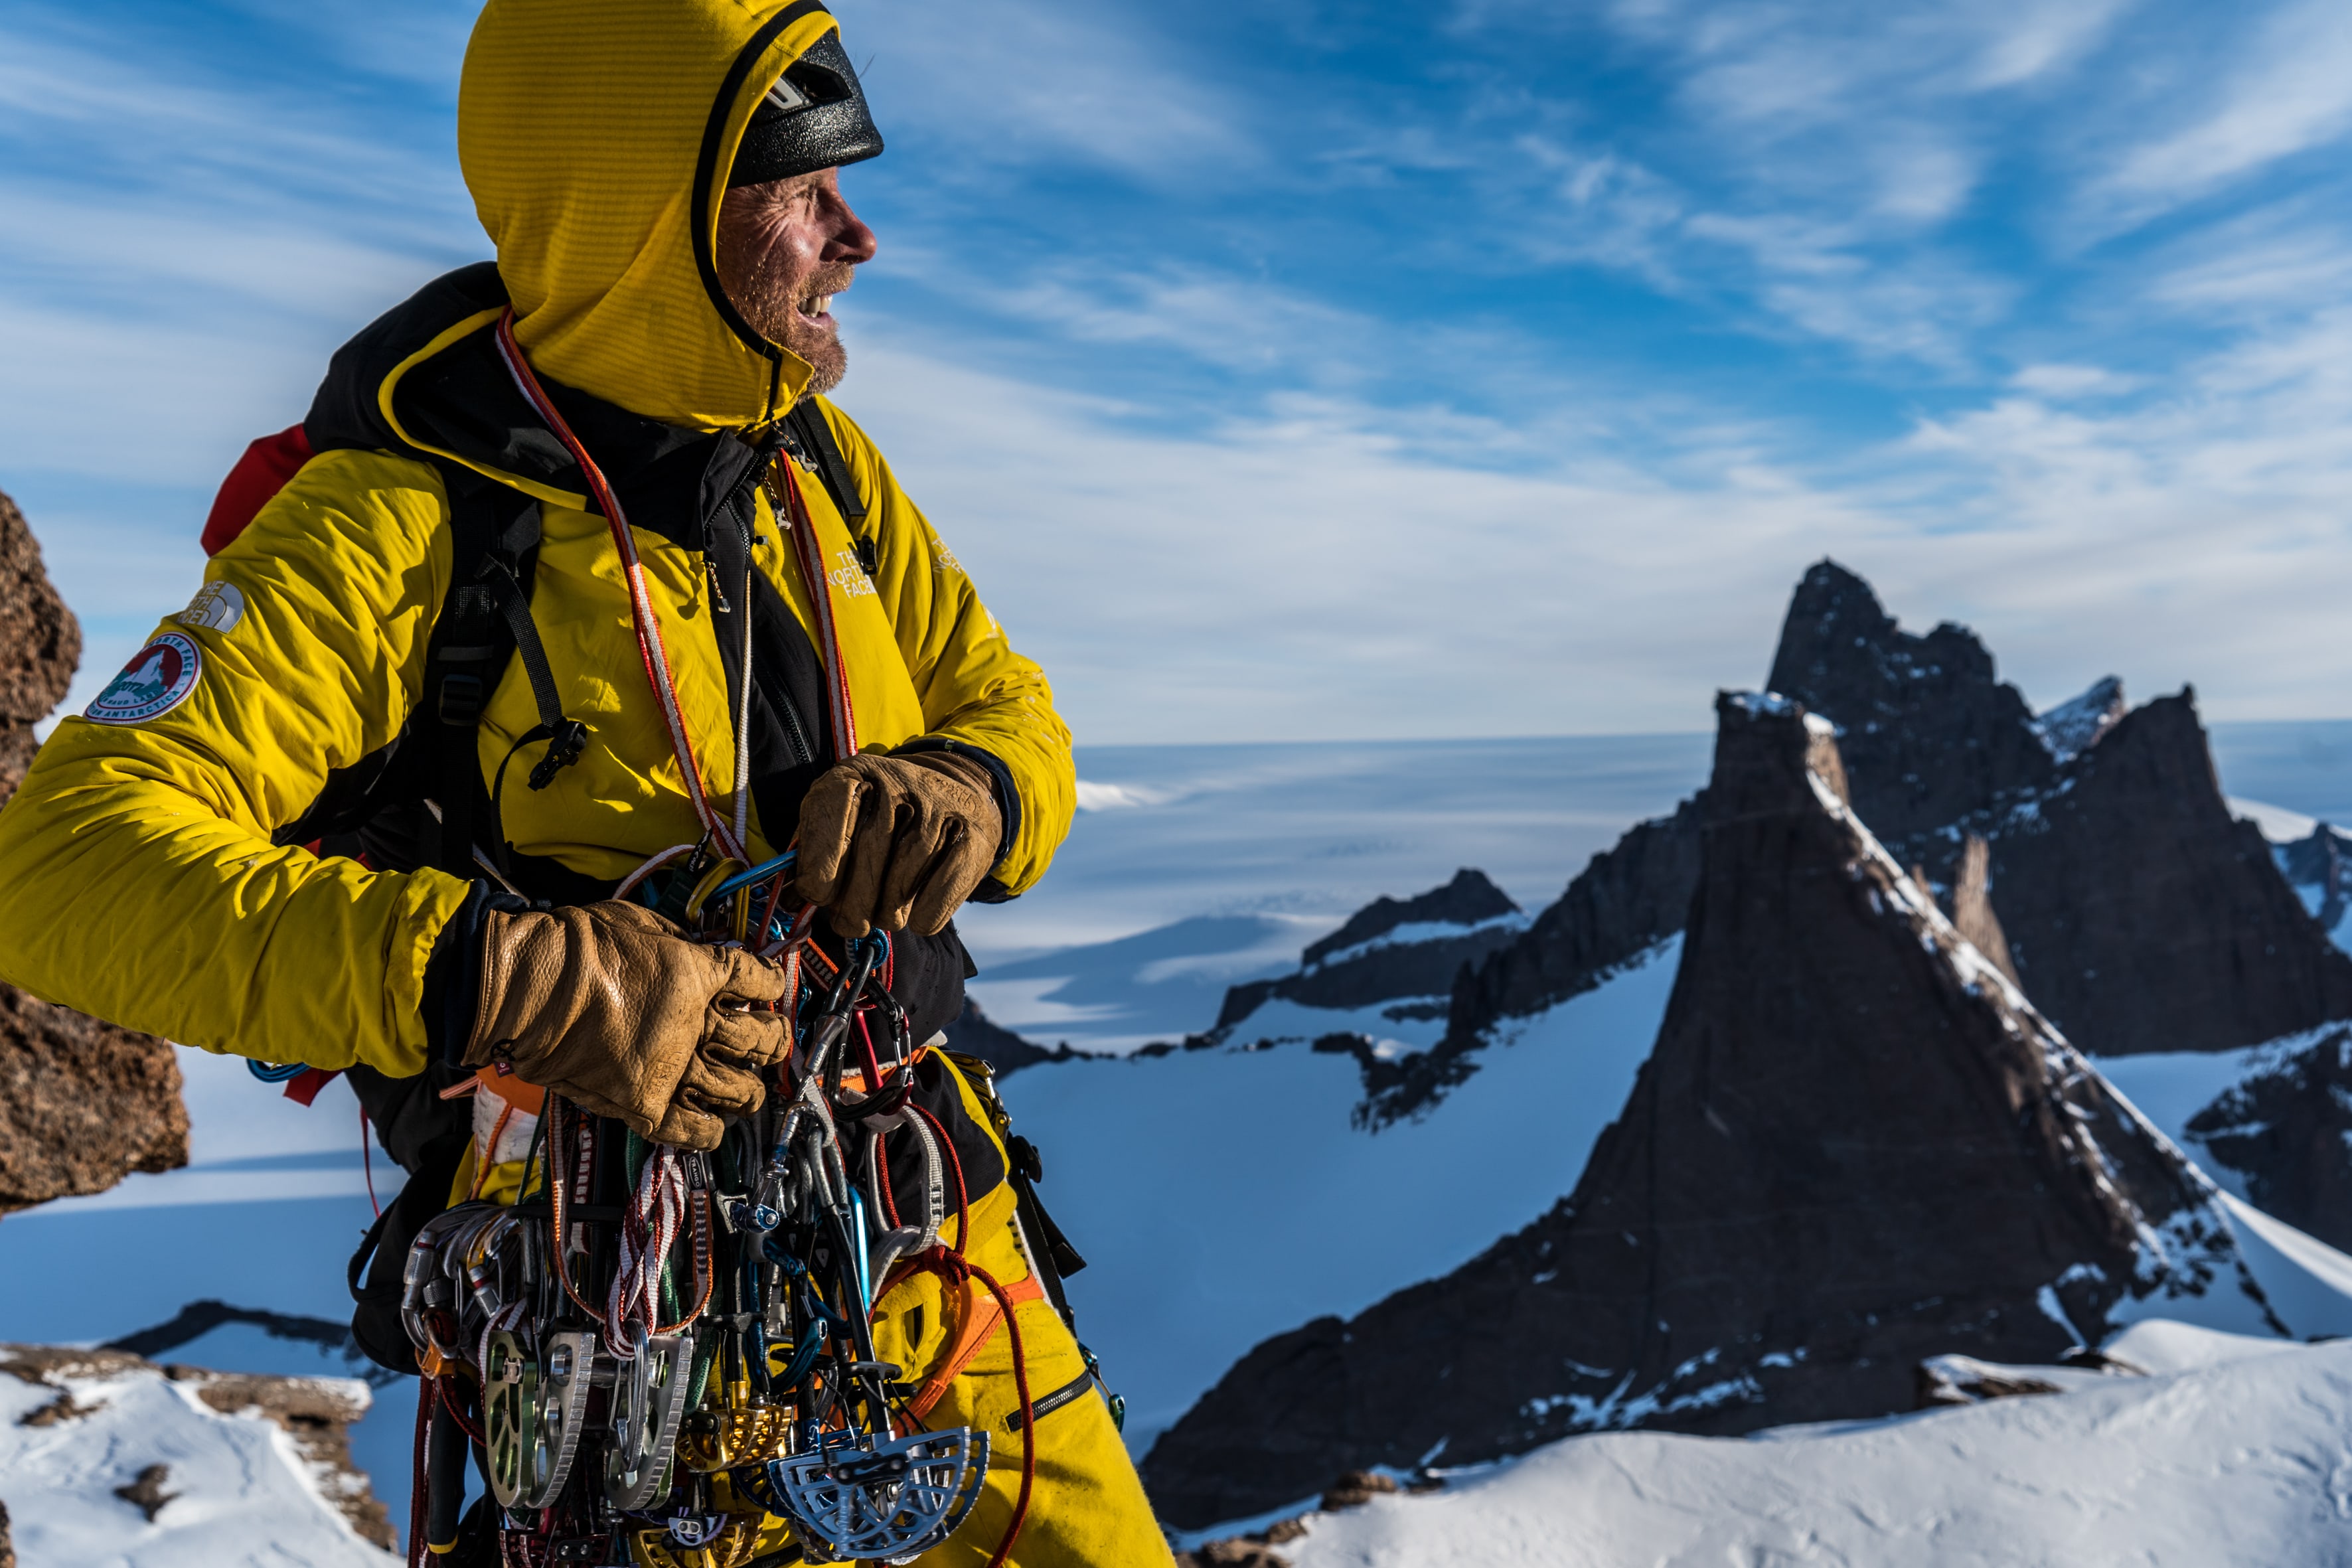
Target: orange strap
(978, 1318)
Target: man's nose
(850, 240)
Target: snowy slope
(1224, 1195)
(2244, 1461)
(244, 1494)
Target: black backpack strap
(484, 621)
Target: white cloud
(1051, 80)
(2290, 92)
(2072, 381)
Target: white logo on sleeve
(157, 679)
(217, 607)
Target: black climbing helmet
(813, 118)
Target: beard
(771, 300)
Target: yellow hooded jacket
(145, 883)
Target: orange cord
(957, 1269)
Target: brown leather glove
(607, 1006)
(897, 842)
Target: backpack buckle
(461, 700)
(564, 744)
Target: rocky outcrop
(1855, 1145)
(1392, 950)
(2284, 1129)
(82, 1103)
(40, 644)
(1971, 908)
(975, 1033)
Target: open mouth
(816, 309)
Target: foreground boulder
(101, 1453)
(1855, 1145)
(82, 1103)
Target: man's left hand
(897, 842)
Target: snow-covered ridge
(1415, 931)
(106, 1458)
(2230, 1454)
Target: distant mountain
(975, 1033)
(1854, 1145)
(1402, 956)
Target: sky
(1306, 369)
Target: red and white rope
(647, 1233)
(803, 529)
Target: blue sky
(1305, 369)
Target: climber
(586, 511)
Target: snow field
(1222, 1196)
(2240, 1459)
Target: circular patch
(157, 679)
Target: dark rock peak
(2322, 861)
(2134, 910)
(1854, 1146)
(2143, 917)
(2075, 725)
(1927, 730)
(2284, 1128)
(1466, 901)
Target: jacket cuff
(1008, 803)
(453, 973)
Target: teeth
(819, 304)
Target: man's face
(785, 248)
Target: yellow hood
(596, 136)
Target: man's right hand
(609, 1006)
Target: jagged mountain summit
(1855, 1144)
(1929, 735)
(2138, 913)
